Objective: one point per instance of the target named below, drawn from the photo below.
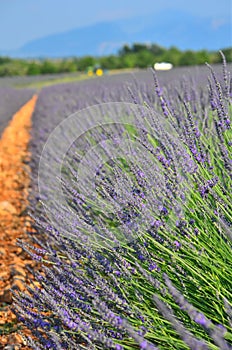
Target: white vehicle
(163, 66)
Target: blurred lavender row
(10, 101)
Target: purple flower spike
(164, 211)
(143, 345)
(118, 347)
(177, 244)
(141, 174)
(200, 319)
(152, 266)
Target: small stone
(14, 339)
(37, 284)
(6, 206)
(18, 284)
(2, 251)
(6, 297)
(17, 271)
(4, 275)
(19, 250)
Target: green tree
(129, 60)
(66, 66)
(85, 62)
(157, 50)
(33, 69)
(228, 54)
(188, 58)
(48, 67)
(139, 47)
(144, 59)
(110, 62)
(172, 55)
(202, 57)
(124, 50)
(4, 60)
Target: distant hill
(167, 28)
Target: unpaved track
(14, 183)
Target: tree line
(129, 56)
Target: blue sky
(25, 20)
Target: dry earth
(14, 183)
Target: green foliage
(4, 60)
(111, 62)
(67, 66)
(188, 58)
(85, 62)
(13, 67)
(144, 58)
(33, 69)
(135, 56)
(129, 60)
(48, 67)
(172, 55)
(228, 54)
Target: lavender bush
(168, 284)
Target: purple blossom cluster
(151, 269)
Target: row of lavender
(55, 103)
(142, 259)
(10, 101)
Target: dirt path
(14, 182)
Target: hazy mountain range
(166, 29)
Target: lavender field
(134, 219)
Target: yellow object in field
(90, 73)
(99, 72)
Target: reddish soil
(14, 183)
